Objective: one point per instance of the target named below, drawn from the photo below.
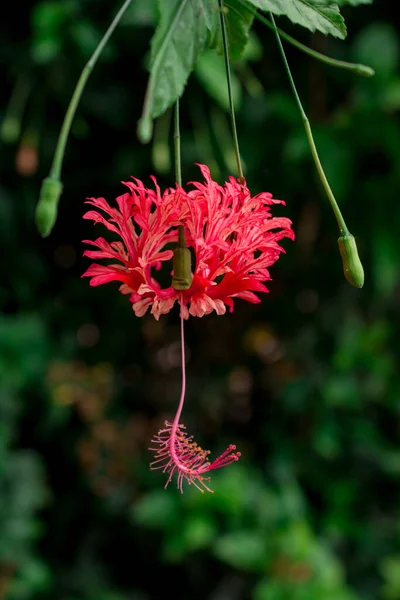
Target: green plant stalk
(229, 84)
(310, 138)
(55, 170)
(352, 266)
(182, 259)
(51, 188)
(356, 68)
(178, 167)
(177, 146)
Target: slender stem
(357, 68)
(182, 277)
(229, 83)
(183, 388)
(314, 152)
(335, 207)
(55, 170)
(177, 146)
(178, 169)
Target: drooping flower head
(234, 240)
(233, 236)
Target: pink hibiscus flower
(233, 235)
(234, 240)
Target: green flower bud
(364, 71)
(10, 130)
(352, 267)
(46, 209)
(145, 129)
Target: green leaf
(265, 589)
(246, 550)
(199, 530)
(390, 568)
(345, 2)
(353, 2)
(210, 8)
(33, 578)
(156, 510)
(312, 14)
(238, 19)
(48, 20)
(178, 42)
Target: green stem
(55, 170)
(182, 278)
(177, 146)
(356, 68)
(178, 169)
(339, 217)
(229, 84)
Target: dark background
(306, 383)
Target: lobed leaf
(180, 38)
(315, 15)
(239, 18)
(353, 2)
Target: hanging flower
(234, 240)
(233, 236)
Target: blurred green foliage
(306, 384)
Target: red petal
(103, 274)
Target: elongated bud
(364, 71)
(145, 129)
(10, 130)
(46, 209)
(182, 264)
(352, 267)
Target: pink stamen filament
(175, 423)
(176, 452)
